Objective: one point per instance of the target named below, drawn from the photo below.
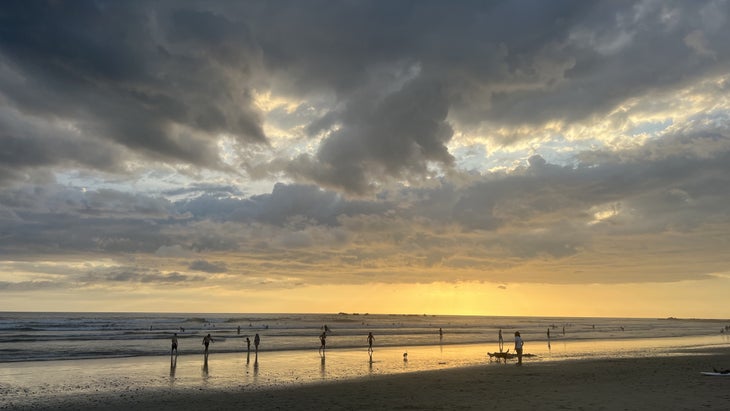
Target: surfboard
(715, 374)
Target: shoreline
(662, 382)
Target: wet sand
(651, 383)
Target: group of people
(323, 341)
(519, 343)
(209, 339)
(257, 340)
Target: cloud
(205, 266)
(173, 251)
(146, 90)
(135, 275)
(28, 285)
(407, 141)
(401, 78)
(396, 138)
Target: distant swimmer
(256, 341)
(174, 344)
(206, 341)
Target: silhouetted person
(501, 341)
(248, 344)
(256, 341)
(322, 342)
(518, 347)
(206, 341)
(370, 341)
(174, 344)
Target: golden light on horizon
(464, 298)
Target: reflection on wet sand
(205, 372)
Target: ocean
(36, 336)
(48, 356)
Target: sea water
(61, 336)
(47, 355)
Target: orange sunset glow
(490, 160)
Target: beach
(667, 382)
(121, 361)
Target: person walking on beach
(256, 341)
(248, 345)
(518, 347)
(206, 341)
(174, 344)
(323, 342)
(370, 346)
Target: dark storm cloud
(285, 204)
(382, 90)
(151, 81)
(398, 69)
(26, 144)
(59, 219)
(395, 137)
(163, 79)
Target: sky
(544, 158)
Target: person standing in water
(256, 341)
(206, 341)
(370, 345)
(518, 347)
(248, 345)
(323, 342)
(174, 344)
(501, 341)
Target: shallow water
(34, 381)
(52, 336)
(47, 355)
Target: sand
(650, 383)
